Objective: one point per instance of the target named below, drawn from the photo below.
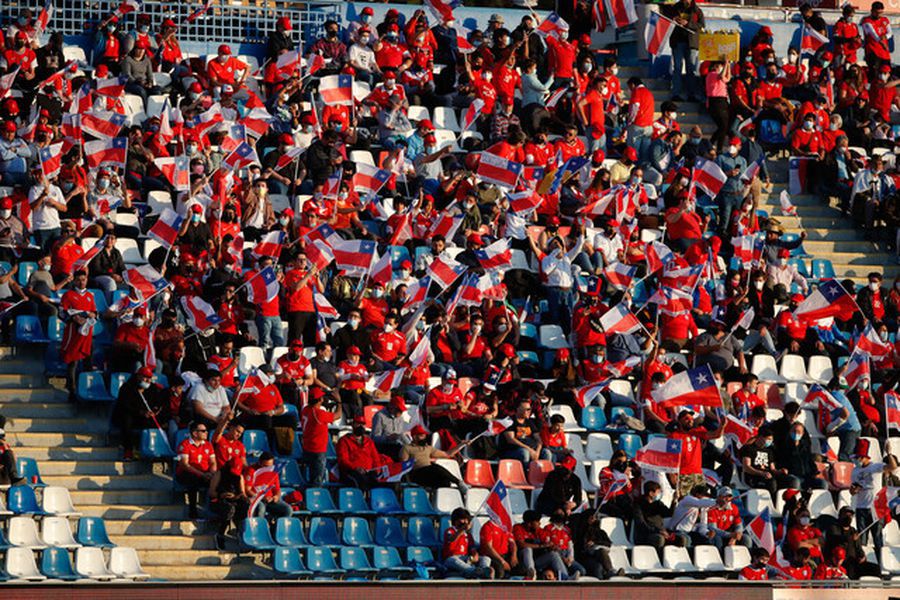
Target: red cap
(353, 351)
(474, 238)
(789, 493)
(765, 29)
(44, 113)
(393, 13)
(838, 553)
(359, 420)
(285, 23)
(140, 311)
(308, 119)
(798, 298)
(393, 26)
(827, 55)
(348, 70)
(784, 253)
(6, 203)
(562, 354)
(298, 343)
(862, 448)
(169, 23)
(398, 402)
(426, 124)
(9, 126)
(101, 71)
(612, 223)
(569, 462)
(286, 138)
(507, 350)
(225, 49)
(197, 208)
(553, 220)
(418, 430)
(598, 157)
(584, 39)
(368, 11)
(145, 372)
(142, 43)
(103, 173)
(885, 68)
(735, 141)
(21, 35)
(630, 154)
(11, 106)
(196, 87)
(288, 212)
(406, 265)
(430, 139)
(316, 393)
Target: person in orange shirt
(224, 69)
(592, 114)
(300, 283)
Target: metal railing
(225, 22)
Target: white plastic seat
(890, 559)
(57, 501)
(155, 104)
(574, 443)
(596, 467)
(820, 370)
(645, 558)
(23, 533)
(565, 411)
(891, 534)
(88, 242)
(619, 560)
(125, 564)
(445, 118)
(706, 558)
(158, 200)
(416, 113)
(133, 105)
(475, 498)
(821, 503)
(651, 235)
(808, 418)
(362, 156)
(552, 337)
(758, 500)
(277, 352)
(446, 139)
(447, 499)
(764, 367)
(794, 391)
(127, 220)
(250, 356)
(874, 449)
(673, 358)
(793, 368)
(130, 252)
(20, 564)
(676, 558)
(615, 529)
(451, 465)
(622, 387)
(361, 89)
(162, 80)
(72, 52)
(599, 447)
(56, 531)
(736, 557)
(517, 501)
(89, 562)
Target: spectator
(650, 516)
(209, 400)
(690, 473)
(358, 456)
(538, 558)
(804, 541)
(760, 469)
(843, 535)
(196, 465)
(460, 553)
(263, 485)
(758, 569)
(500, 547)
(725, 527)
(8, 470)
(690, 517)
(389, 427)
(140, 405)
(138, 71)
(862, 489)
(561, 490)
(521, 440)
(314, 421)
(685, 44)
(559, 538)
(228, 498)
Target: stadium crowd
(469, 288)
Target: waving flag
(823, 398)
(857, 367)
(200, 315)
(497, 170)
(389, 380)
(462, 40)
(112, 87)
(554, 97)
(524, 203)
(601, 205)
(382, 270)
(760, 529)
(684, 279)
(708, 176)
(829, 300)
(103, 124)
(657, 31)
(787, 208)
(695, 387)
(128, 6)
(496, 256)
(354, 256)
(393, 472)
(797, 174)
(446, 225)
(472, 113)
(257, 122)
(619, 275)
(657, 255)
(240, 157)
(753, 169)
(672, 301)
(324, 233)
(336, 90)
(332, 186)
(886, 501)
(738, 429)
(420, 352)
(200, 125)
(289, 62)
(165, 230)
(177, 171)
(51, 160)
(199, 12)
(442, 9)
(6, 82)
(85, 259)
(621, 12)
(619, 320)
(553, 25)
(443, 270)
(369, 179)
(100, 152)
(660, 454)
(324, 307)
(263, 287)
(289, 156)
(892, 406)
(44, 17)
(418, 293)
(586, 394)
(870, 343)
(145, 280)
(270, 244)
(498, 507)
(811, 40)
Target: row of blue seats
(90, 531)
(354, 564)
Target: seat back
(538, 471)
(323, 532)
(20, 564)
(644, 558)
(289, 532)
(320, 559)
(479, 473)
(21, 500)
(389, 532)
(677, 559)
(599, 447)
(354, 559)
(23, 533)
(736, 557)
(154, 445)
(89, 562)
(57, 501)
(386, 557)
(57, 564)
(420, 532)
(319, 500)
(706, 558)
(255, 441)
(28, 468)
(385, 501)
(57, 532)
(511, 472)
(124, 562)
(92, 532)
(630, 443)
(446, 499)
(287, 560)
(351, 500)
(356, 532)
(415, 500)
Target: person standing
(862, 489)
(314, 421)
(685, 44)
(79, 312)
(717, 101)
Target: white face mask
(732, 150)
(671, 116)
(5, 214)
(488, 76)
(874, 286)
(388, 328)
(759, 284)
(138, 322)
(284, 221)
(792, 58)
(144, 385)
(450, 24)
(353, 323)
(364, 40)
(404, 274)
(502, 328)
(614, 70)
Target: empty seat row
(22, 500)
(22, 532)
(793, 369)
(90, 563)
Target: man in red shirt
(314, 422)
(758, 569)
(300, 284)
(561, 59)
(459, 552)
(570, 145)
(500, 547)
(641, 109)
(685, 226)
(388, 346)
(746, 399)
(130, 342)
(690, 472)
(264, 490)
(806, 141)
(353, 375)
(724, 520)
(294, 374)
(228, 444)
(264, 409)
(592, 114)
(876, 29)
(442, 401)
(223, 69)
(358, 457)
(196, 465)
(78, 310)
(226, 362)
(506, 80)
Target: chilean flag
(829, 300)
(797, 175)
(446, 225)
(393, 472)
(684, 279)
(472, 113)
(696, 387)
(444, 270)
(524, 203)
(739, 429)
(660, 454)
(177, 171)
(553, 25)
(200, 124)
(462, 40)
(289, 156)
(442, 9)
(498, 507)
(200, 315)
(752, 170)
(787, 208)
(389, 380)
(760, 529)
(128, 6)
(145, 280)
(496, 256)
(101, 152)
(619, 275)
(420, 353)
(336, 90)
(621, 12)
(657, 255)
(619, 320)
(498, 170)
(823, 398)
(319, 253)
(257, 122)
(708, 176)
(555, 97)
(656, 33)
(326, 234)
(886, 501)
(369, 179)
(263, 287)
(289, 62)
(382, 270)
(871, 344)
(165, 230)
(418, 292)
(44, 17)
(242, 156)
(586, 394)
(892, 406)
(324, 307)
(6, 82)
(85, 259)
(51, 160)
(811, 40)
(113, 87)
(199, 12)
(270, 244)
(601, 204)
(354, 256)
(103, 124)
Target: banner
(716, 44)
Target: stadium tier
(395, 293)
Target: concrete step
(135, 512)
(859, 272)
(773, 199)
(14, 410)
(83, 454)
(823, 221)
(242, 571)
(39, 424)
(198, 558)
(152, 527)
(43, 394)
(850, 235)
(91, 468)
(55, 440)
(817, 248)
(18, 380)
(856, 259)
(104, 483)
(111, 498)
(22, 364)
(163, 542)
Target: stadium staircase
(135, 499)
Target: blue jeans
(549, 560)
(639, 138)
(560, 303)
(460, 565)
(46, 237)
(270, 332)
(728, 202)
(316, 471)
(274, 510)
(683, 56)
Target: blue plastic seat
(416, 501)
(92, 532)
(384, 502)
(355, 561)
(528, 357)
(28, 468)
(420, 532)
(289, 532)
(352, 501)
(321, 561)
(56, 563)
(289, 474)
(323, 532)
(91, 387)
(419, 555)
(30, 331)
(388, 562)
(52, 363)
(25, 271)
(528, 330)
(398, 255)
(801, 266)
(116, 381)
(160, 379)
(286, 562)
(22, 501)
(444, 526)
(103, 334)
(356, 532)
(614, 415)
(55, 329)
(155, 445)
(630, 443)
(99, 300)
(4, 543)
(593, 418)
(389, 532)
(319, 501)
(822, 269)
(255, 534)
(255, 441)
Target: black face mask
(845, 521)
(359, 430)
(332, 34)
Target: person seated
(758, 462)
(8, 473)
(650, 517)
(690, 516)
(538, 558)
(228, 498)
(803, 541)
(264, 490)
(264, 409)
(141, 405)
(724, 521)
(561, 490)
(425, 472)
(358, 457)
(196, 465)
(758, 569)
(499, 546)
(459, 552)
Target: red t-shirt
(797, 535)
(269, 398)
(353, 377)
(300, 300)
(456, 544)
(227, 449)
(750, 573)
(642, 98)
(724, 518)
(491, 535)
(688, 227)
(314, 421)
(222, 73)
(558, 536)
(691, 450)
(562, 57)
(387, 346)
(199, 455)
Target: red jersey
(373, 311)
(803, 573)
(221, 73)
(877, 32)
(506, 81)
(263, 481)
(724, 517)
(353, 455)
(456, 543)
(64, 258)
(265, 400)
(227, 449)
(797, 535)
(559, 536)
(388, 346)
(491, 535)
(744, 403)
(569, 149)
(641, 107)
(691, 450)
(352, 377)
(200, 455)
(596, 115)
(301, 299)
(538, 154)
(129, 333)
(688, 227)
(437, 397)
(562, 57)
(314, 421)
(289, 371)
(795, 328)
(75, 345)
(751, 573)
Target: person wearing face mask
(557, 268)
(781, 275)
(281, 38)
(362, 57)
(210, 400)
(842, 535)
(225, 69)
(425, 472)
(692, 437)
(872, 300)
(685, 226)
(561, 59)
(390, 54)
(650, 516)
(758, 462)
(731, 194)
(130, 341)
(330, 47)
(357, 457)
(878, 37)
(796, 456)
(865, 478)
(257, 214)
(141, 404)
(107, 47)
(803, 539)
(388, 345)
(443, 401)
(871, 187)
(78, 311)
(724, 521)
(12, 232)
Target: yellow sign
(717, 44)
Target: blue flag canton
(673, 446)
(701, 378)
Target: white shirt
(362, 57)
(214, 402)
(45, 217)
(690, 514)
(609, 248)
(869, 479)
(558, 270)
